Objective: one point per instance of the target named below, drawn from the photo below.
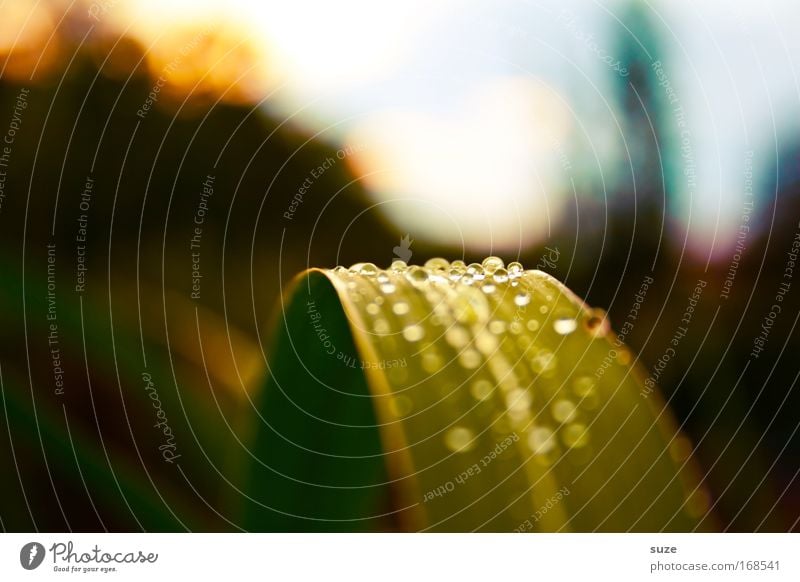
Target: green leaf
(459, 398)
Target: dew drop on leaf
(497, 327)
(597, 323)
(437, 264)
(367, 269)
(563, 410)
(564, 325)
(583, 386)
(413, 333)
(481, 389)
(470, 359)
(417, 274)
(431, 362)
(486, 342)
(491, 264)
(400, 308)
(541, 440)
(543, 361)
(518, 400)
(515, 269)
(500, 275)
(457, 336)
(575, 435)
(522, 299)
(475, 271)
(456, 274)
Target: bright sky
(473, 120)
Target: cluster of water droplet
(503, 327)
(463, 301)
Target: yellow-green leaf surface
(455, 397)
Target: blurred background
(167, 167)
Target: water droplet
(522, 299)
(515, 269)
(470, 359)
(475, 271)
(488, 288)
(459, 439)
(486, 342)
(381, 326)
(575, 435)
(500, 275)
(541, 440)
(543, 362)
(339, 270)
(417, 274)
(387, 288)
(564, 325)
(543, 309)
(413, 333)
(398, 266)
(431, 362)
(497, 326)
(379, 300)
(368, 269)
(563, 410)
(597, 323)
(455, 274)
(355, 268)
(437, 264)
(491, 264)
(481, 389)
(457, 336)
(532, 324)
(583, 386)
(373, 308)
(400, 308)
(458, 264)
(515, 327)
(518, 400)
